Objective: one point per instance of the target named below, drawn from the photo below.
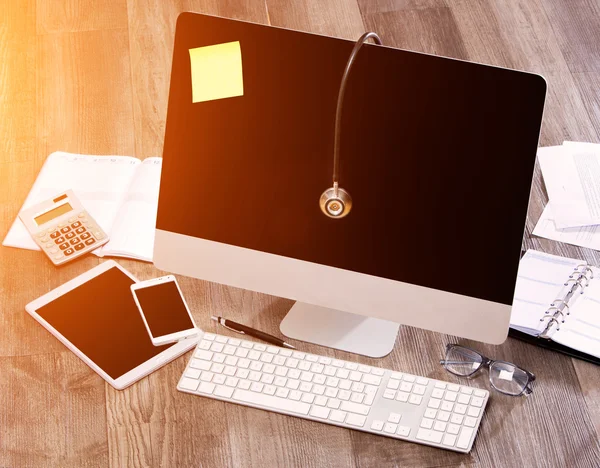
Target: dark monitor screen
(437, 154)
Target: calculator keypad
(68, 239)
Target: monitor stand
(368, 336)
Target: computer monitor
(437, 153)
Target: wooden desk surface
(92, 77)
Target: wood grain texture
(93, 77)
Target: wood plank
(52, 412)
(338, 18)
(576, 24)
(429, 30)
(84, 93)
(60, 16)
(589, 379)
(588, 84)
(368, 7)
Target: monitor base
(353, 333)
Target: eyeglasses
(505, 377)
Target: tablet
(95, 316)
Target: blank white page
(132, 233)
(100, 183)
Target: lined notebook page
(581, 330)
(132, 233)
(540, 280)
(100, 183)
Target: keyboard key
(304, 365)
(357, 397)
(244, 384)
(470, 422)
(319, 379)
(255, 376)
(460, 409)
(291, 362)
(256, 366)
(345, 384)
(415, 399)
(206, 376)
(342, 373)
(229, 350)
(271, 401)
(333, 403)
(285, 352)
(269, 389)
(332, 393)
(479, 393)
(429, 436)
(439, 426)
(450, 396)
(223, 391)
(453, 387)
(351, 366)
(318, 389)
(477, 401)
(69, 235)
(295, 354)
(371, 379)
(403, 431)
(89, 241)
(219, 379)
(467, 390)
(319, 412)
(324, 360)
(355, 407)
(390, 428)
(430, 413)
(203, 354)
(308, 398)
(456, 419)
(332, 382)
(422, 381)
(377, 425)
(330, 371)
(440, 385)
(217, 347)
(449, 440)
(221, 339)
(281, 371)
(68, 251)
(198, 364)
(292, 374)
(406, 386)
(189, 384)
(447, 405)
(396, 375)
(363, 368)
(427, 423)
(408, 378)
(377, 371)
(464, 438)
(292, 384)
(463, 399)
(295, 395)
(320, 401)
(254, 355)
(247, 344)
(443, 416)
(419, 389)
(337, 416)
(231, 360)
(453, 429)
(344, 395)
(206, 387)
(282, 392)
(205, 344)
(355, 376)
(241, 352)
(355, 420)
(267, 379)
(232, 381)
(242, 373)
(217, 368)
(338, 363)
(209, 336)
(389, 394)
(434, 403)
(358, 387)
(393, 384)
(474, 412)
(192, 373)
(268, 369)
(394, 418)
(402, 396)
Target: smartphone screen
(164, 309)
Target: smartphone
(165, 313)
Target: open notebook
(558, 299)
(120, 192)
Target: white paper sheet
(583, 236)
(572, 176)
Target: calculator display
(53, 213)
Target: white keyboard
(342, 393)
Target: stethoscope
(336, 202)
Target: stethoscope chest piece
(335, 202)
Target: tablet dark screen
(101, 319)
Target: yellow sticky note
(217, 72)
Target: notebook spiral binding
(555, 314)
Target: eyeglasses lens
(462, 361)
(507, 378)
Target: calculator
(62, 228)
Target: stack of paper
(572, 176)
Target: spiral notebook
(557, 301)
(120, 192)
